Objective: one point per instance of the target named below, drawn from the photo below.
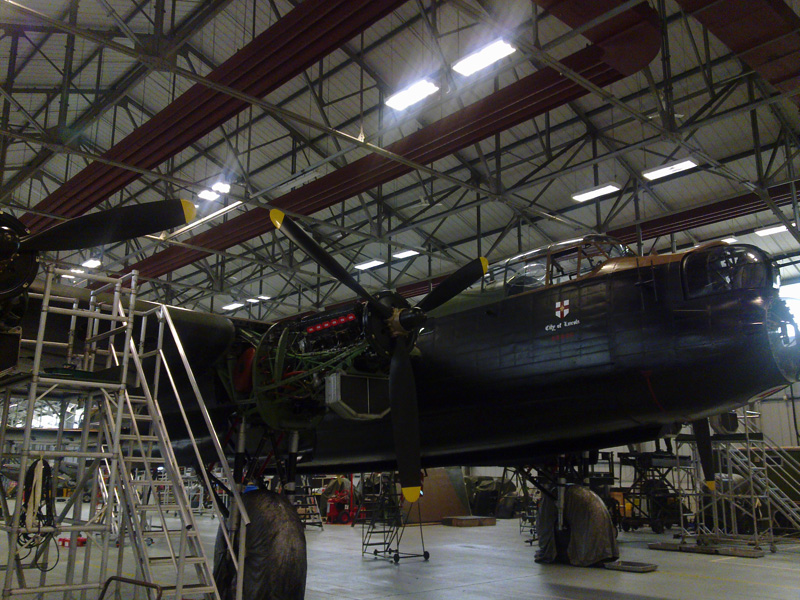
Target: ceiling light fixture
(369, 264)
(208, 195)
(198, 222)
(770, 230)
(91, 263)
(411, 95)
(233, 306)
(221, 187)
(300, 179)
(483, 58)
(264, 297)
(595, 192)
(669, 169)
(405, 254)
(253, 300)
(730, 240)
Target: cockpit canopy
(723, 268)
(560, 262)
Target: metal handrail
(785, 456)
(244, 519)
(206, 480)
(204, 411)
(147, 584)
(787, 507)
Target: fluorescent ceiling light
(77, 271)
(483, 58)
(232, 306)
(208, 195)
(197, 222)
(253, 300)
(600, 190)
(65, 276)
(405, 254)
(297, 181)
(770, 230)
(669, 169)
(91, 263)
(730, 240)
(369, 264)
(264, 297)
(411, 95)
(221, 187)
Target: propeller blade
(454, 284)
(405, 420)
(702, 434)
(323, 259)
(112, 225)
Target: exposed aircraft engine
(296, 361)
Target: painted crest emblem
(562, 308)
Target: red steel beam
(723, 210)
(621, 46)
(765, 34)
(294, 43)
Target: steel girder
(621, 46)
(297, 41)
(197, 19)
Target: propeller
(110, 226)
(291, 230)
(393, 332)
(702, 434)
(18, 251)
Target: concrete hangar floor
(494, 563)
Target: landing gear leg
(291, 466)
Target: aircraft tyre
(275, 554)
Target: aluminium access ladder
(385, 523)
(35, 546)
(165, 549)
(307, 505)
(173, 541)
(776, 476)
(750, 499)
(121, 439)
(185, 536)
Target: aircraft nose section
(784, 336)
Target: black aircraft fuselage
(616, 352)
(577, 346)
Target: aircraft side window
(530, 276)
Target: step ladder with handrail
(385, 522)
(123, 441)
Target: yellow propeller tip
(411, 494)
(276, 216)
(189, 210)
(484, 264)
(711, 485)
